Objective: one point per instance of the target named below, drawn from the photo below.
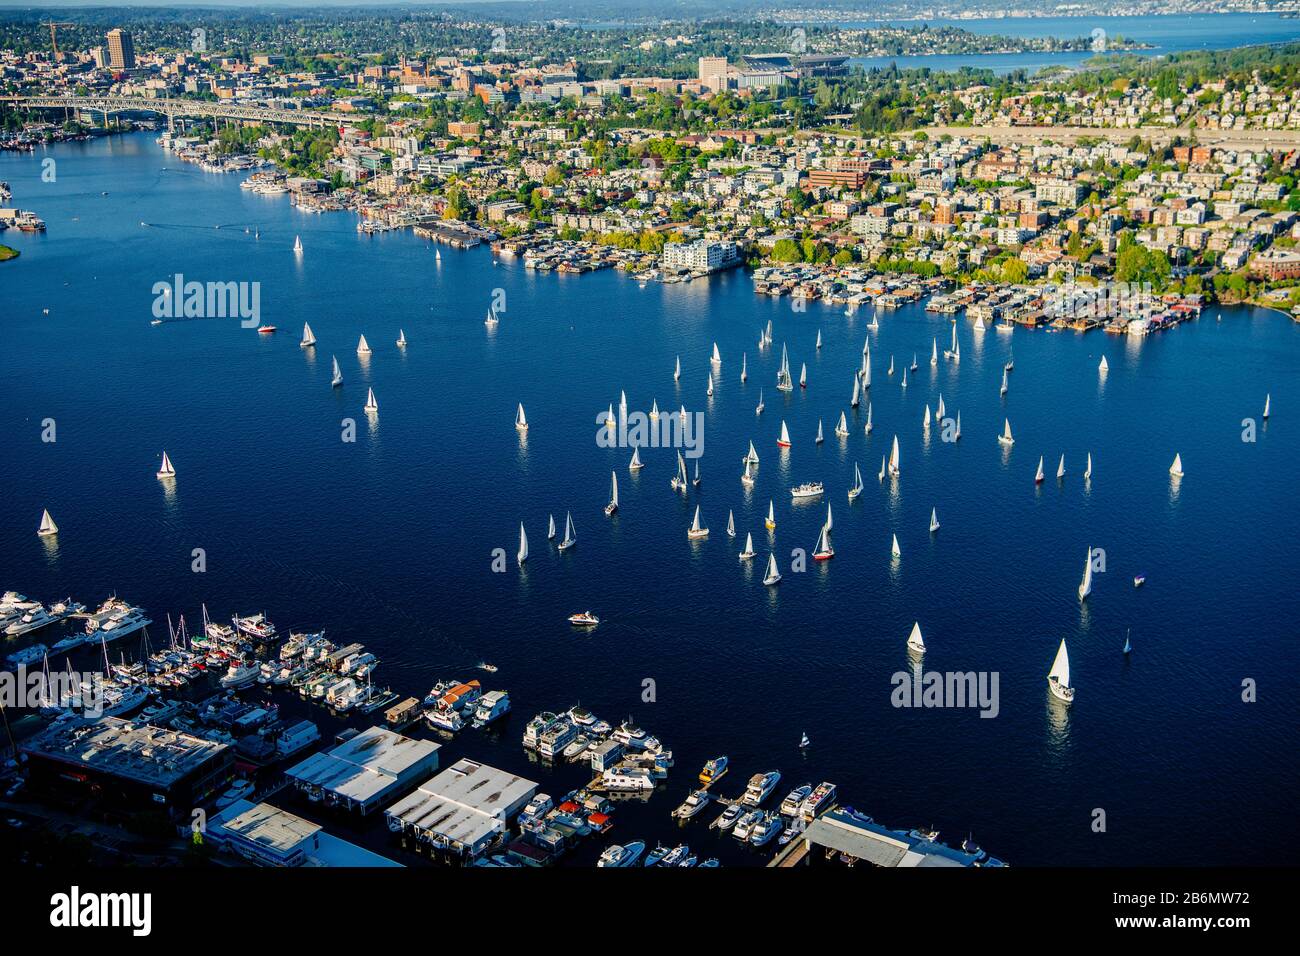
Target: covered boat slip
(367, 771)
(463, 809)
(871, 843)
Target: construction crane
(54, 35)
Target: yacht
(784, 440)
(654, 856)
(30, 621)
(255, 626)
(1005, 438)
(820, 799)
(795, 799)
(584, 619)
(767, 828)
(675, 856)
(28, 655)
(166, 470)
(914, 640)
(308, 337)
(240, 674)
(760, 786)
(749, 547)
(612, 507)
(521, 421)
(1058, 678)
(115, 619)
(857, 482)
(745, 825)
(713, 771)
(809, 489)
(622, 855)
(692, 805)
(727, 819)
(1176, 469)
(570, 536)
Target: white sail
(308, 337)
(695, 524)
(823, 545)
(654, 408)
(297, 244)
(914, 640)
(758, 409)
(1060, 469)
(677, 369)
(570, 536)
(882, 468)
(1104, 365)
(829, 523)
(753, 455)
(868, 426)
(749, 545)
(842, 429)
(710, 391)
(166, 471)
(773, 574)
(1004, 382)
(337, 380)
(744, 366)
(904, 385)
(819, 338)
(803, 375)
(894, 549)
(934, 353)
(371, 404)
(48, 526)
(1085, 586)
(853, 402)
(785, 435)
(363, 347)
(857, 482)
(613, 488)
(635, 463)
(1061, 666)
(1087, 472)
(1038, 475)
(934, 520)
(954, 337)
(1176, 469)
(1006, 432)
(731, 524)
(890, 371)
(819, 431)
(925, 422)
(771, 514)
(894, 461)
(522, 554)
(940, 412)
(717, 357)
(550, 529)
(401, 338)
(521, 420)
(1268, 400)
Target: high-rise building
(121, 51)
(713, 73)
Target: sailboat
(1005, 438)
(654, 410)
(940, 412)
(773, 574)
(749, 547)
(857, 482)
(894, 550)
(1058, 678)
(925, 422)
(904, 383)
(842, 429)
(678, 482)
(865, 372)
(550, 528)
(784, 440)
(1104, 366)
(717, 356)
(297, 244)
(752, 457)
(934, 520)
(770, 523)
(710, 391)
(166, 471)
(610, 421)
(934, 352)
(696, 480)
(830, 523)
(521, 422)
(731, 524)
(882, 469)
(767, 334)
(758, 409)
(697, 530)
(1060, 469)
(522, 555)
(823, 550)
(804, 742)
(979, 324)
(818, 439)
(337, 380)
(819, 339)
(1176, 469)
(1038, 475)
(613, 494)
(1011, 363)
(890, 370)
(371, 404)
(635, 463)
(492, 320)
(363, 347)
(48, 527)
(783, 381)
(914, 366)
(1128, 643)
(1004, 383)
(868, 428)
(914, 640)
(677, 369)
(1085, 586)
(744, 366)
(1087, 472)
(853, 402)
(437, 255)
(1267, 401)
(401, 338)
(803, 375)
(747, 476)
(894, 461)
(570, 537)
(308, 337)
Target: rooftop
(464, 803)
(879, 845)
(365, 766)
(140, 752)
(271, 827)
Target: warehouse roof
(150, 755)
(366, 766)
(464, 803)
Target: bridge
(173, 108)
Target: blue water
(1166, 34)
(388, 540)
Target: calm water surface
(389, 540)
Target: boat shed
(268, 836)
(462, 810)
(367, 771)
(869, 842)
